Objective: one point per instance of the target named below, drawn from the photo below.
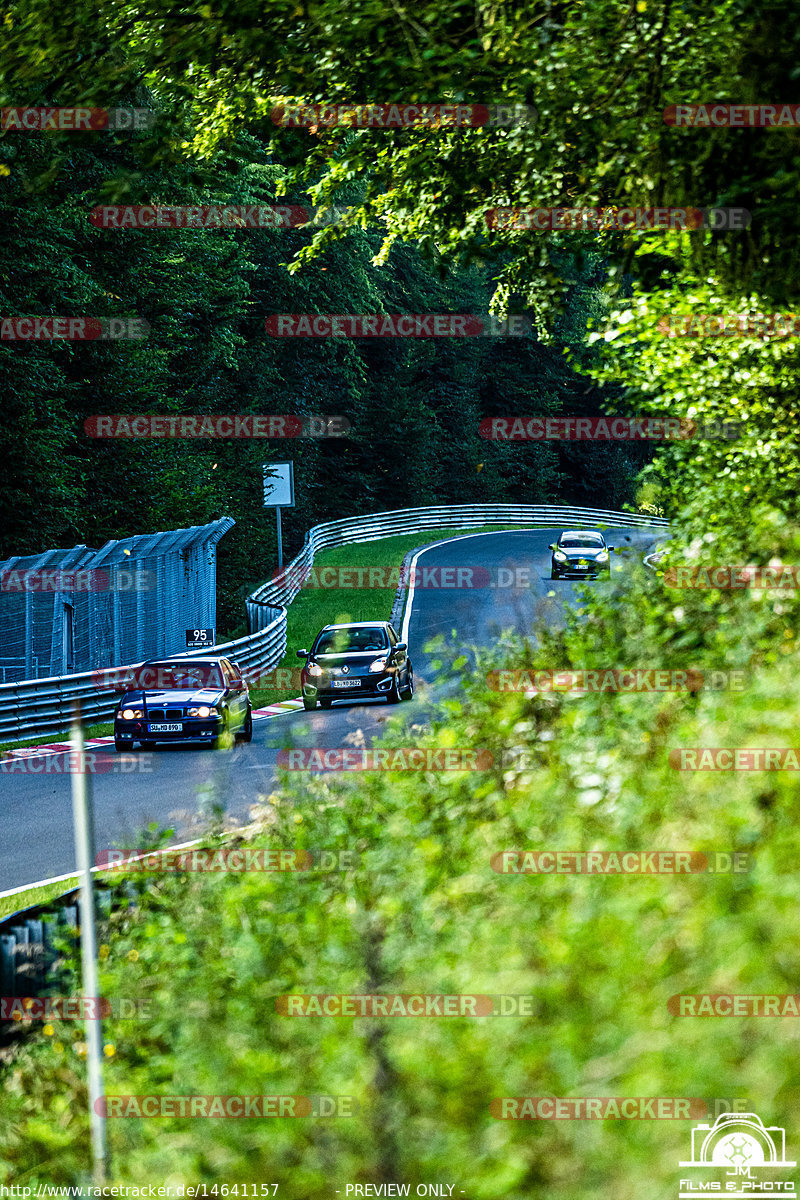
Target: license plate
(346, 682)
(165, 728)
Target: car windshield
(191, 676)
(585, 540)
(346, 641)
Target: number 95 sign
(199, 639)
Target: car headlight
(378, 665)
(314, 669)
(560, 556)
(203, 711)
(131, 714)
(602, 556)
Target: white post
(84, 839)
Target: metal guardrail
(39, 706)
(283, 588)
(33, 962)
(33, 707)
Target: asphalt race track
(511, 589)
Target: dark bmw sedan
(582, 554)
(348, 662)
(184, 700)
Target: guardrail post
(36, 942)
(49, 952)
(8, 964)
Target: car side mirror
(401, 646)
(552, 546)
(302, 653)
(609, 548)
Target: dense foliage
(414, 405)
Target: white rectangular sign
(278, 485)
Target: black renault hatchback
(348, 662)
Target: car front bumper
(357, 685)
(193, 729)
(580, 572)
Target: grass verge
(315, 607)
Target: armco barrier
(31, 960)
(39, 706)
(284, 587)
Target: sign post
(278, 494)
(83, 821)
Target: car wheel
(554, 575)
(309, 705)
(121, 744)
(409, 692)
(245, 734)
(325, 702)
(393, 696)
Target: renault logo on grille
(345, 670)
